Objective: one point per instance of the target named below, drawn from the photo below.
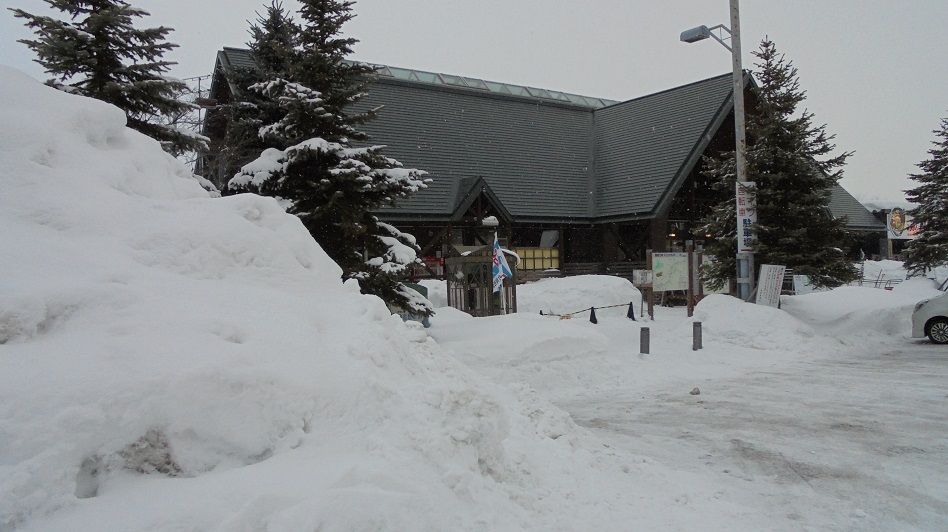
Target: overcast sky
(874, 70)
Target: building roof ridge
(483, 86)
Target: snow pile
(544, 352)
(728, 319)
(882, 270)
(170, 361)
(854, 314)
(437, 292)
(940, 274)
(558, 295)
(568, 294)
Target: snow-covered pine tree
(789, 159)
(99, 53)
(930, 248)
(311, 167)
(273, 39)
(322, 65)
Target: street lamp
(745, 258)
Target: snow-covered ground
(171, 361)
(823, 415)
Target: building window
(538, 258)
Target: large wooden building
(572, 182)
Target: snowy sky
(873, 69)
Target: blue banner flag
(501, 270)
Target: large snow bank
(728, 319)
(170, 361)
(854, 314)
(882, 270)
(569, 294)
(559, 295)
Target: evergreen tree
(788, 158)
(273, 39)
(322, 65)
(100, 54)
(312, 168)
(930, 247)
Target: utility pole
(745, 259)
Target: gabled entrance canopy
(477, 199)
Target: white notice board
(769, 284)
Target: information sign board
(769, 284)
(669, 271)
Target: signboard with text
(769, 285)
(669, 271)
(642, 278)
(746, 216)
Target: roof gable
(469, 189)
(536, 157)
(646, 147)
(842, 203)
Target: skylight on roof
(476, 83)
(407, 74)
(453, 80)
(556, 95)
(539, 93)
(427, 77)
(401, 73)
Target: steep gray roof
(545, 155)
(644, 144)
(535, 155)
(235, 57)
(842, 203)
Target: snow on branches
(333, 188)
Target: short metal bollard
(643, 340)
(696, 336)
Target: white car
(930, 319)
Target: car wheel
(938, 331)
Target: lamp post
(745, 257)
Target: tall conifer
(273, 41)
(99, 53)
(789, 159)
(930, 247)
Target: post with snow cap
(696, 336)
(643, 340)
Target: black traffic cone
(592, 315)
(631, 313)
